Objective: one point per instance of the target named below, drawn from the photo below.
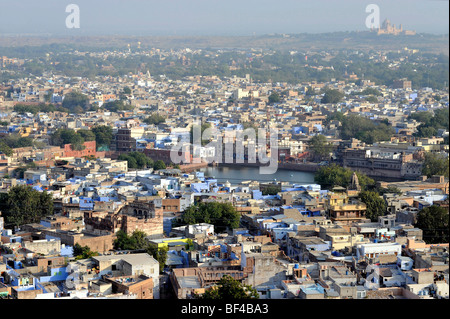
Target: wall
(143, 289)
(26, 294)
(90, 149)
(56, 274)
(265, 271)
(45, 247)
(151, 226)
(99, 244)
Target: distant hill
(323, 41)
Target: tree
(335, 116)
(62, 137)
(335, 175)
(271, 190)
(159, 253)
(134, 241)
(103, 135)
(75, 102)
(126, 90)
(371, 91)
(274, 98)
(376, 206)
(83, 252)
(430, 123)
(155, 119)
(435, 164)
(332, 96)
(136, 160)
(228, 288)
(433, 221)
(15, 141)
(371, 99)
(221, 215)
(159, 164)
(354, 126)
(25, 205)
(389, 190)
(203, 127)
(5, 149)
(118, 105)
(137, 241)
(320, 147)
(87, 135)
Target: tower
(354, 185)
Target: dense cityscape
(127, 172)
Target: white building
(372, 250)
(130, 265)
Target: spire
(355, 182)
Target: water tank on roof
(296, 266)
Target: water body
(236, 175)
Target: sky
(215, 17)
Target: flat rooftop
(129, 280)
(189, 282)
(142, 258)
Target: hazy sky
(216, 17)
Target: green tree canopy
(134, 241)
(221, 215)
(103, 135)
(228, 288)
(203, 127)
(160, 254)
(332, 96)
(320, 146)
(87, 135)
(117, 105)
(16, 141)
(366, 130)
(376, 206)
(68, 136)
(435, 164)
(270, 190)
(335, 175)
(155, 119)
(274, 98)
(126, 90)
(371, 91)
(159, 164)
(75, 102)
(34, 109)
(335, 116)
(137, 160)
(137, 241)
(5, 149)
(83, 252)
(431, 123)
(25, 205)
(433, 221)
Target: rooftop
(136, 259)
